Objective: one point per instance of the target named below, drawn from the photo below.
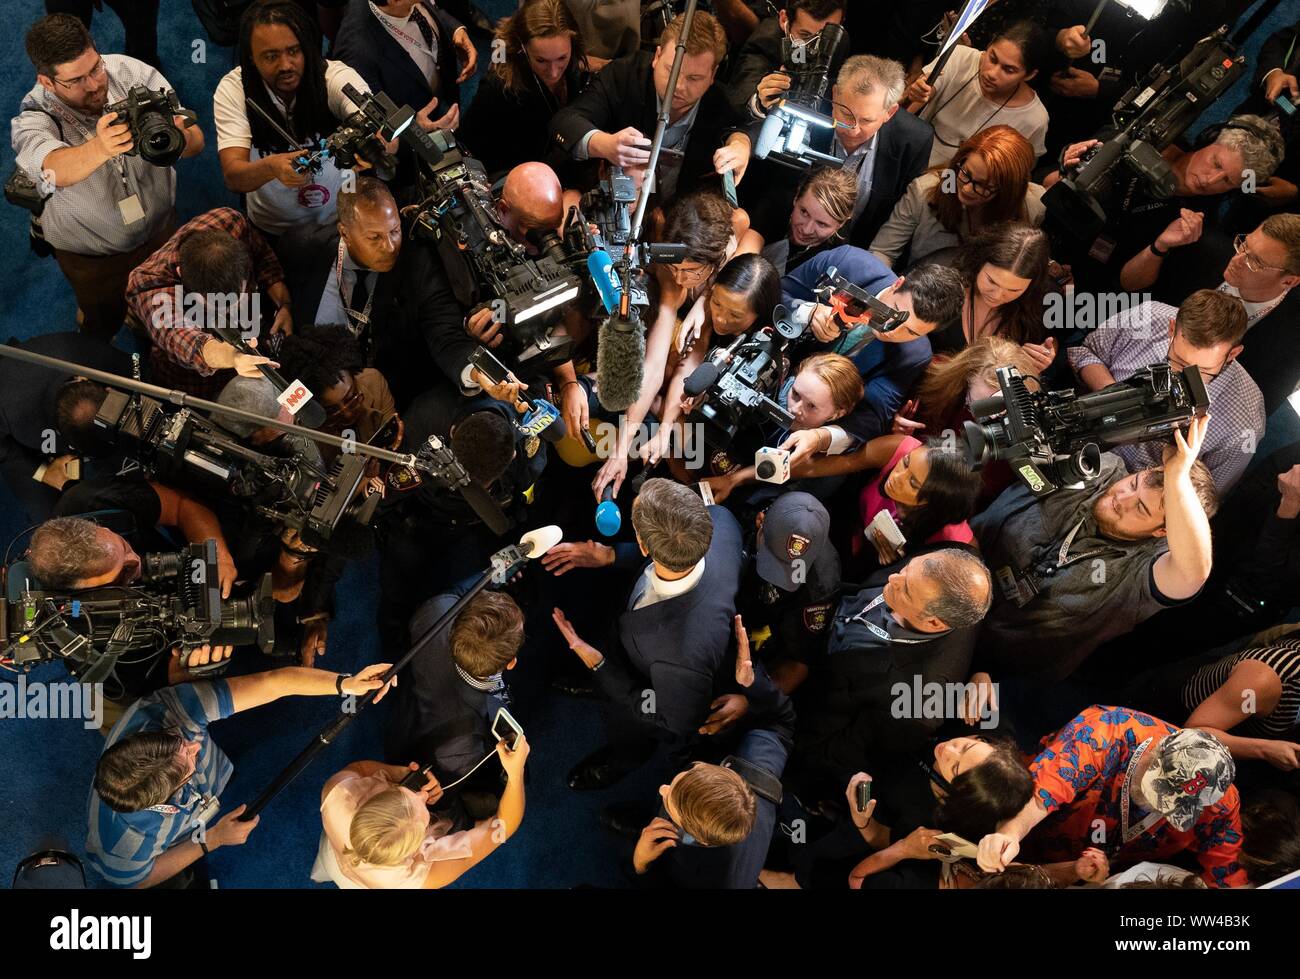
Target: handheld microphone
(609, 519)
(620, 360)
(544, 420)
(601, 269)
(537, 542)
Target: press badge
(1016, 588)
(131, 209)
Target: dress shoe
(601, 769)
(627, 819)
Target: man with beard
(112, 209)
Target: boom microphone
(608, 516)
(620, 362)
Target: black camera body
(177, 600)
(1147, 120)
(528, 294)
(184, 448)
(792, 122)
(1055, 438)
(155, 137)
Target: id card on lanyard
(129, 205)
(881, 634)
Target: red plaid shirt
(150, 288)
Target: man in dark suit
(393, 297)
(667, 670)
(761, 57)
(446, 699)
(912, 624)
(408, 50)
(885, 149)
(615, 118)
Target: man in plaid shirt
(223, 255)
(1205, 332)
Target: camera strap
(1023, 587)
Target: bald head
(532, 198)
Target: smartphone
(387, 432)
(506, 728)
(1285, 104)
(861, 796)
(729, 185)
(489, 366)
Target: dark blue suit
(889, 370)
(669, 660)
(366, 45)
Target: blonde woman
(380, 835)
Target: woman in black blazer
(545, 67)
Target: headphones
(1267, 134)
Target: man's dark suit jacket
(902, 156)
(622, 94)
(677, 650)
(417, 327)
(366, 45)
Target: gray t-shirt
(85, 218)
(1079, 606)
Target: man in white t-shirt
(282, 71)
(978, 89)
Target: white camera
(772, 465)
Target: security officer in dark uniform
(789, 590)
(429, 536)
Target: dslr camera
(792, 123)
(155, 137)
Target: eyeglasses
(350, 403)
(1252, 262)
(690, 276)
(98, 73)
(843, 116)
(1179, 364)
(978, 187)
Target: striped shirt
(1138, 337)
(1283, 658)
(122, 847)
(84, 218)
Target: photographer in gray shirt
(108, 209)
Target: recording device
(361, 137)
(861, 795)
(772, 465)
(853, 306)
(308, 412)
(540, 416)
(738, 383)
(1285, 104)
(506, 728)
(23, 191)
(793, 122)
(176, 600)
(155, 137)
(609, 518)
(486, 265)
(1055, 438)
(958, 846)
(185, 447)
(1148, 118)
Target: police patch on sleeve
(817, 617)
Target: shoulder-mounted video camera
(176, 600)
(1055, 438)
(155, 137)
(793, 122)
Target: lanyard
(357, 322)
(118, 163)
(881, 634)
(982, 125)
(401, 34)
(1126, 834)
(1063, 562)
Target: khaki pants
(99, 282)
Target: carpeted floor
(45, 765)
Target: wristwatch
(338, 682)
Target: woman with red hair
(985, 183)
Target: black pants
(139, 20)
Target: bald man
(531, 199)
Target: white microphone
(537, 542)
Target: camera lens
(160, 142)
(161, 565)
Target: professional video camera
(186, 448)
(176, 600)
(1148, 118)
(149, 115)
(361, 137)
(486, 265)
(792, 122)
(856, 311)
(1055, 438)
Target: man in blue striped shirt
(159, 778)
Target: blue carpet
(46, 765)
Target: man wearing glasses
(1204, 332)
(108, 211)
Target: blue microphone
(608, 516)
(601, 269)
